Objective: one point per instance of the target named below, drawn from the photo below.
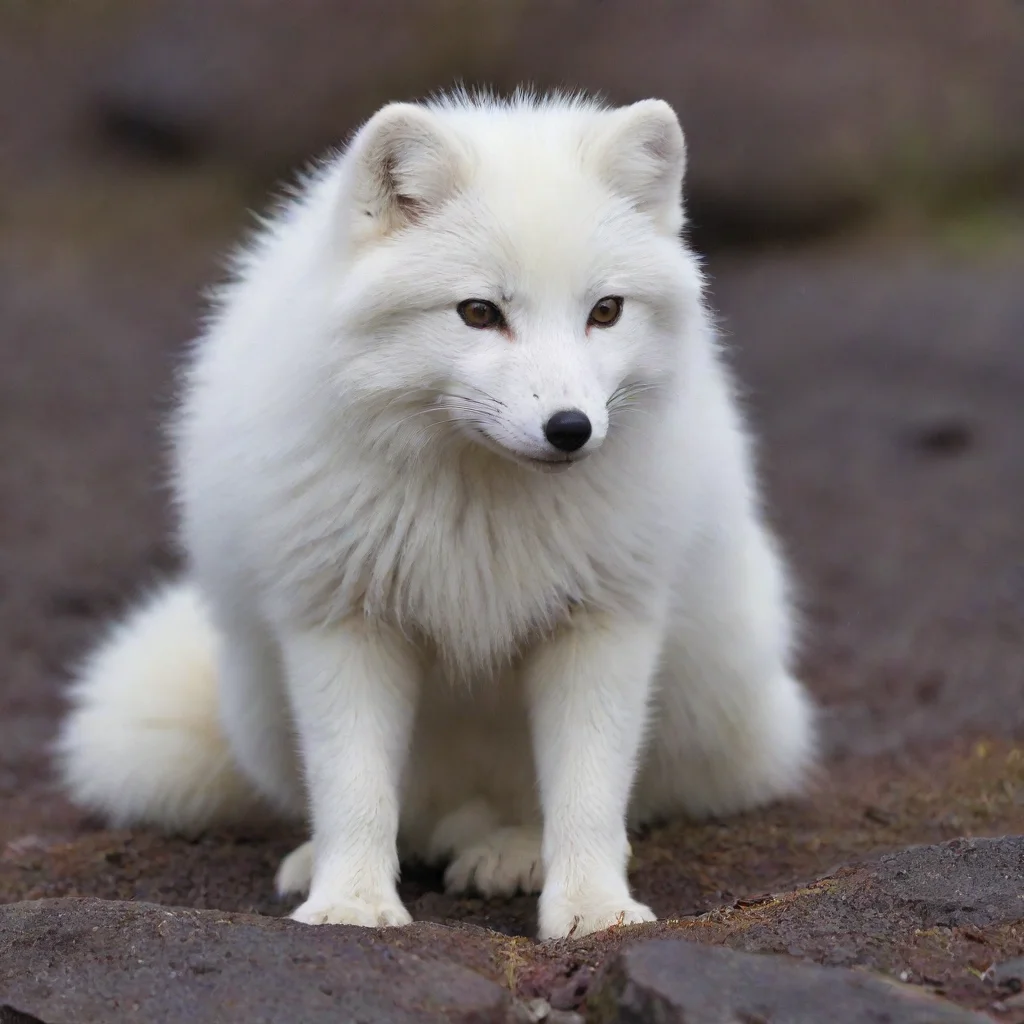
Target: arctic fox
(477, 569)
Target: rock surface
(910, 913)
(945, 919)
(967, 882)
(678, 982)
(82, 961)
(939, 919)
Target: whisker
(626, 392)
(483, 399)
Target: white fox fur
(408, 615)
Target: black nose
(568, 430)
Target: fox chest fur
(477, 561)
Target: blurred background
(856, 182)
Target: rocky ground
(869, 280)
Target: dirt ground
(884, 370)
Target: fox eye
(606, 311)
(480, 313)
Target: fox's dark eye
(480, 313)
(606, 311)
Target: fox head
(512, 274)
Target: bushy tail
(142, 743)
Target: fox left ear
(641, 156)
(406, 165)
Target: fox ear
(641, 155)
(407, 163)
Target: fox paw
(295, 875)
(576, 918)
(506, 861)
(381, 911)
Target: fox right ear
(407, 163)
(641, 155)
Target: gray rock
(975, 882)
(1009, 974)
(672, 980)
(870, 915)
(78, 961)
